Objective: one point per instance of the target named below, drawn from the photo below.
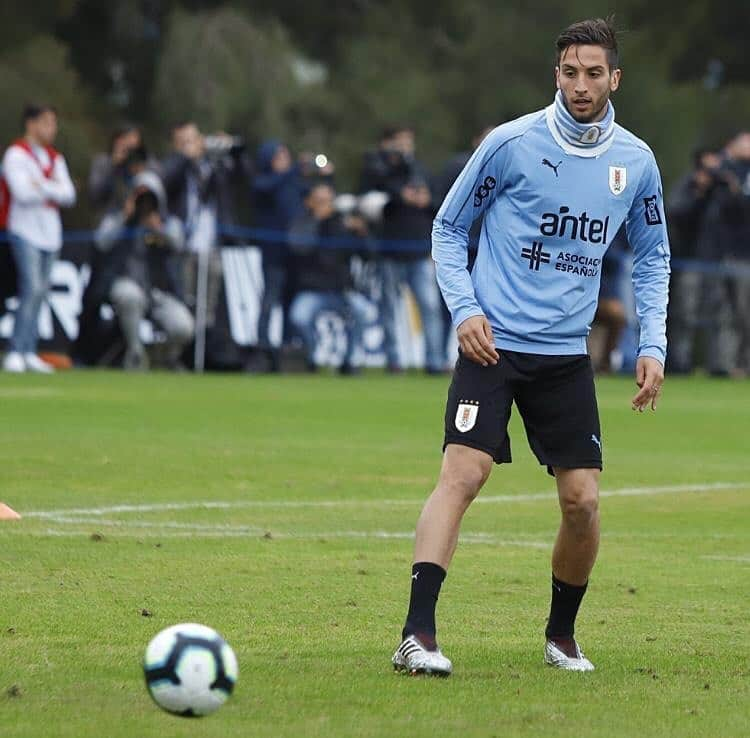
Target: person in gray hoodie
(141, 242)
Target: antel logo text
(574, 227)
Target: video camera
(216, 145)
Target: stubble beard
(594, 117)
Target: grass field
(280, 512)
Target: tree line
(327, 76)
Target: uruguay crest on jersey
(618, 180)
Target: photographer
(407, 216)
(323, 242)
(140, 243)
(110, 177)
(686, 209)
(277, 191)
(198, 177)
(725, 234)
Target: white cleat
(35, 364)
(412, 657)
(14, 363)
(555, 656)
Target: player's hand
(649, 376)
(476, 340)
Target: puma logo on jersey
(553, 167)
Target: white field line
(160, 525)
(173, 529)
(740, 559)
(138, 530)
(27, 392)
(343, 503)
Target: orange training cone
(7, 513)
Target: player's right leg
(476, 419)
(463, 473)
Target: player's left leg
(573, 559)
(558, 407)
(578, 538)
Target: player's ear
(557, 77)
(614, 81)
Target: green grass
(313, 601)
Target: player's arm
(472, 193)
(647, 234)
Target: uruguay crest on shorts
(466, 416)
(618, 180)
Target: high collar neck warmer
(580, 139)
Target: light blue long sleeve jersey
(553, 193)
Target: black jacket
(390, 172)
(322, 254)
(686, 208)
(214, 177)
(725, 231)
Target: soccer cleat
(412, 657)
(35, 364)
(14, 362)
(565, 654)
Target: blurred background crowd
(263, 178)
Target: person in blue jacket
(278, 191)
(553, 188)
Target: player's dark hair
(31, 111)
(591, 32)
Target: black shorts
(554, 395)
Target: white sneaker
(14, 362)
(35, 364)
(411, 656)
(555, 656)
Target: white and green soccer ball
(190, 670)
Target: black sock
(566, 599)
(426, 579)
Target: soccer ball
(190, 670)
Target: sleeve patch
(484, 190)
(653, 216)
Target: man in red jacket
(36, 183)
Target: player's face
(586, 82)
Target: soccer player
(553, 186)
